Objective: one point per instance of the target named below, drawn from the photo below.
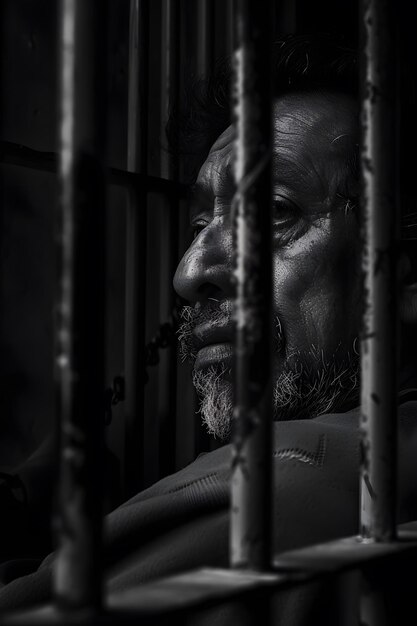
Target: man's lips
(213, 344)
(213, 355)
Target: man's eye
(196, 228)
(285, 213)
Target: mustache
(216, 312)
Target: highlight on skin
(309, 384)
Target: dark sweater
(181, 522)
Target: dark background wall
(29, 70)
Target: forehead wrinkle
(216, 175)
(326, 116)
(297, 167)
(310, 149)
(297, 123)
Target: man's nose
(205, 270)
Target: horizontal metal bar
(195, 589)
(151, 603)
(209, 587)
(346, 554)
(22, 156)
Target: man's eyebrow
(289, 168)
(297, 172)
(198, 197)
(199, 192)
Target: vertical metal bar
(170, 60)
(205, 36)
(380, 230)
(286, 17)
(373, 604)
(229, 17)
(204, 54)
(79, 328)
(168, 234)
(136, 226)
(251, 478)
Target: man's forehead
(325, 118)
(217, 170)
(306, 126)
(224, 140)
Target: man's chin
(305, 388)
(215, 392)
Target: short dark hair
(320, 62)
(317, 62)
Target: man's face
(316, 282)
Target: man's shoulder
(309, 441)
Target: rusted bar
(79, 310)
(136, 224)
(251, 479)
(380, 231)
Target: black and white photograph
(208, 313)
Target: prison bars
(205, 42)
(251, 496)
(380, 229)
(79, 354)
(335, 556)
(170, 63)
(379, 335)
(379, 156)
(168, 228)
(206, 22)
(136, 227)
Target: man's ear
(408, 287)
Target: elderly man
(182, 521)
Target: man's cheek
(330, 311)
(290, 289)
(320, 314)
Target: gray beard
(309, 384)
(299, 392)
